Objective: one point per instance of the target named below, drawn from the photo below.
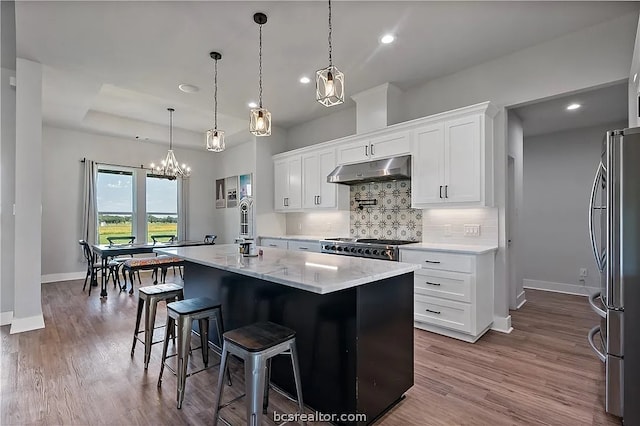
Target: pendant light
(260, 121)
(330, 80)
(215, 137)
(169, 167)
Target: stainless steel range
(364, 247)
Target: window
(114, 191)
(132, 203)
(162, 206)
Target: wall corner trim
(502, 324)
(6, 317)
(20, 325)
(520, 300)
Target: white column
(28, 201)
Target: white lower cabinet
(313, 246)
(453, 292)
(274, 242)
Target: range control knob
(360, 250)
(332, 247)
(339, 248)
(375, 252)
(367, 251)
(353, 249)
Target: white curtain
(89, 206)
(183, 208)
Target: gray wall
(598, 55)
(558, 174)
(62, 188)
(515, 204)
(326, 128)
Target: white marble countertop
(316, 272)
(452, 248)
(295, 237)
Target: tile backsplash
(391, 218)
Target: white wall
(593, 56)
(7, 191)
(326, 128)
(62, 190)
(515, 204)
(558, 174)
(27, 310)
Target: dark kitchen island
(353, 319)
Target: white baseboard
(520, 300)
(19, 325)
(6, 317)
(502, 324)
(575, 289)
(68, 276)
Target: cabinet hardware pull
(303, 248)
(446, 191)
(372, 150)
(286, 202)
(430, 283)
(440, 191)
(432, 261)
(433, 312)
(272, 245)
(319, 202)
(366, 150)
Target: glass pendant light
(169, 167)
(330, 80)
(260, 119)
(215, 137)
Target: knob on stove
(353, 249)
(375, 252)
(367, 251)
(339, 248)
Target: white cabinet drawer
(273, 242)
(443, 313)
(439, 260)
(313, 246)
(445, 284)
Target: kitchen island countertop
(315, 272)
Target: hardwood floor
(78, 370)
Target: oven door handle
(596, 308)
(595, 330)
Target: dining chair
(116, 262)
(92, 266)
(165, 238)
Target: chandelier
(169, 167)
(215, 137)
(330, 80)
(260, 118)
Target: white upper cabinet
(288, 183)
(316, 192)
(375, 147)
(453, 162)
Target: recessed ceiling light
(573, 107)
(188, 88)
(305, 80)
(253, 105)
(387, 38)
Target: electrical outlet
(583, 272)
(471, 230)
(447, 230)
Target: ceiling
(599, 106)
(114, 67)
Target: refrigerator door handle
(595, 330)
(592, 236)
(597, 310)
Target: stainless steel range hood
(379, 170)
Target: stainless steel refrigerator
(614, 217)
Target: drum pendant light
(330, 80)
(215, 137)
(260, 119)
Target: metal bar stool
(256, 344)
(148, 298)
(183, 313)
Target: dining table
(108, 251)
